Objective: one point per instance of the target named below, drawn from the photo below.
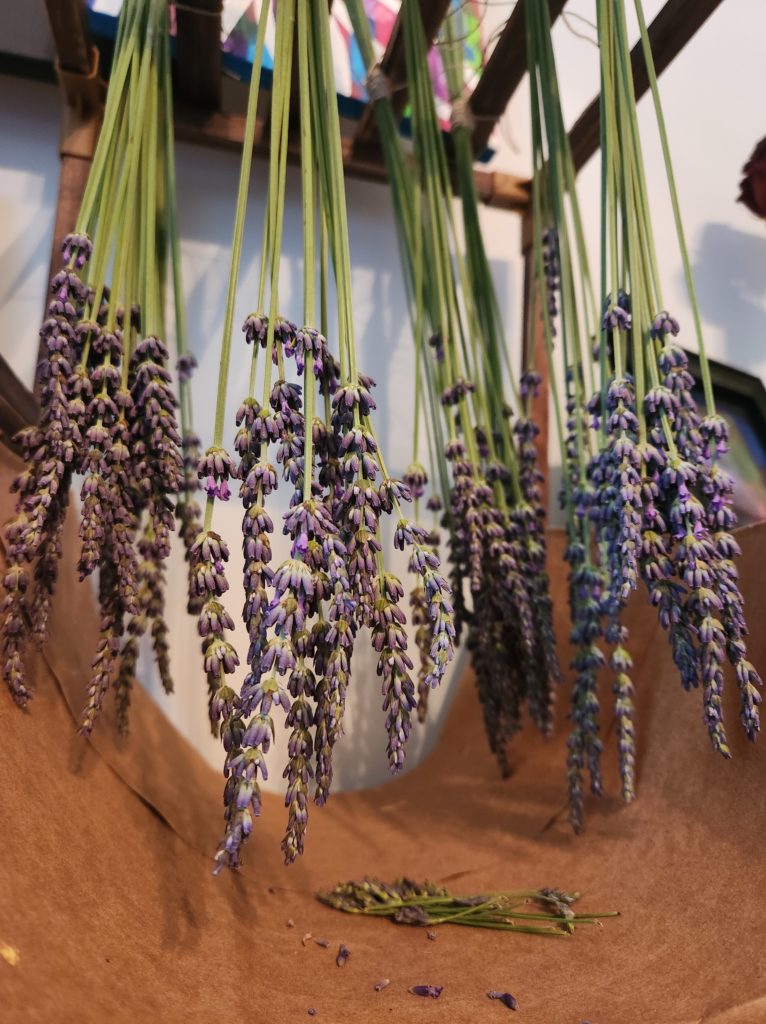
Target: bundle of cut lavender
(644, 490)
(303, 616)
(108, 411)
(530, 911)
(493, 514)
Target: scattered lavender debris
(427, 991)
(343, 954)
(505, 998)
(431, 936)
(324, 943)
(383, 983)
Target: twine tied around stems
(461, 115)
(378, 84)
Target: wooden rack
(209, 110)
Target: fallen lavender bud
(383, 983)
(427, 991)
(505, 998)
(343, 954)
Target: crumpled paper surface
(106, 891)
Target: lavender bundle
(312, 416)
(568, 317)
(487, 491)
(108, 410)
(519, 451)
(646, 495)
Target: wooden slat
(361, 160)
(18, 406)
(198, 52)
(502, 191)
(503, 73)
(67, 21)
(669, 33)
(393, 63)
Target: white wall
(713, 98)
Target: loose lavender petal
(383, 983)
(427, 991)
(343, 954)
(505, 998)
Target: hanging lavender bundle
(486, 510)
(108, 410)
(477, 474)
(675, 513)
(519, 453)
(568, 316)
(305, 424)
(644, 490)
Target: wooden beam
(502, 191)
(68, 27)
(394, 65)
(503, 73)
(669, 33)
(18, 406)
(198, 52)
(361, 160)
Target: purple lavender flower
(617, 316)
(389, 639)
(552, 273)
(107, 652)
(186, 364)
(215, 469)
(530, 384)
(584, 744)
(428, 991)
(505, 998)
(416, 478)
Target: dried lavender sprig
(584, 744)
(51, 456)
(534, 911)
(105, 662)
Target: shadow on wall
(730, 274)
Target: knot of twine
(462, 115)
(378, 84)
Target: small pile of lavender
(307, 427)
(108, 410)
(646, 495)
(530, 911)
